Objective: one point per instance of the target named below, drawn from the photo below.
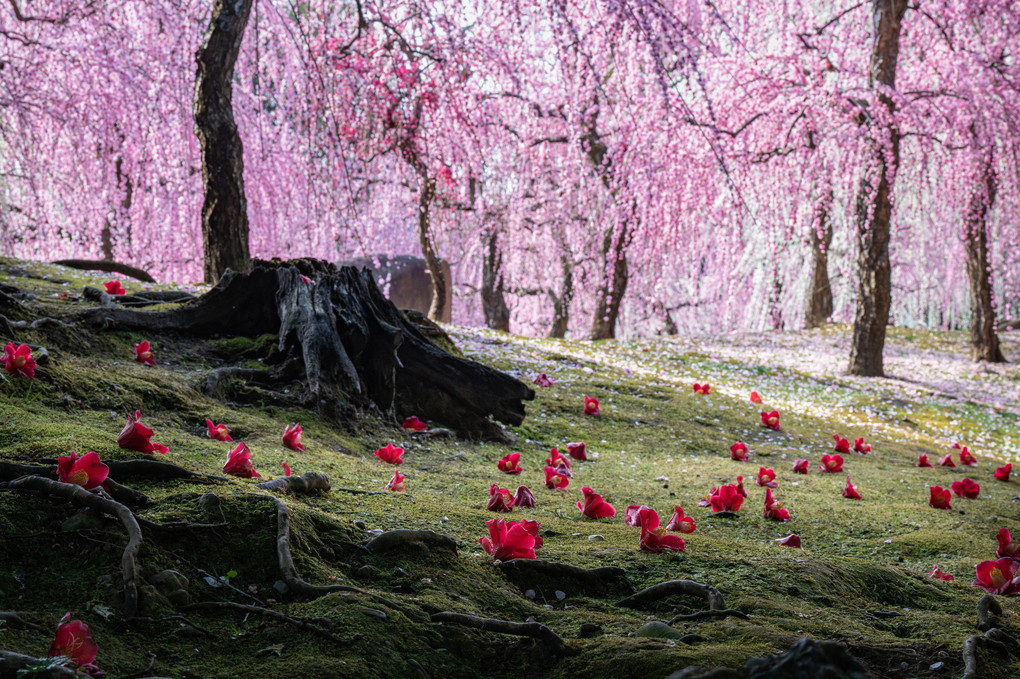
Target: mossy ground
(861, 578)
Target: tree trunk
(612, 285)
(561, 302)
(776, 303)
(497, 314)
(819, 303)
(428, 250)
(984, 340)
(224, 208)
(874, 198)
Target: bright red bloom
(767, 477)
(594, 507)
(800, 465)
(1006, 546)
(292, 437)
(239, 463)
(770, 419)
(861, 447)
(286, 468)
(947, 460)
(136, 436)
(557, 460)
(412, 423)
(939, 575)
(679, 522)
(397, 484)
(391, 454)
(578, 450)
(500, 499)
(755, 397)
(740, 486)
(86, 471)
(791, 540)
(632, 515)
(850, 492)
(965, 488)
(509, 540)
(654, 537)
(114, 288)
(939, 498)
(702, 389)
(1002, 473)
(831, 464)
(967, 458)
(510, 464)
(531, 527)
(727, 499)
(591, 405)
(218, 432)
(774, 509)
(842, 445)
(922, 460)
(554, 479)
(143, 353)
(524, 498)
(738, 452)
(543, 380)
(998, 577)
(74, 641)
(18, 360)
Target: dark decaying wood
(357, 349)
(108, 267)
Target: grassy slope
(657, 444)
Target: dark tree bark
(874, 197)
(819, 302)
(984, 340)
(497, 314)
(109, 267)
(224, 208)
(561, 302)
(428, 250)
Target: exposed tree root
(157, 470)
(307, 483)
(309, 625)
(986, 606)
(535, 630)
(717, 608)
(11, 663)
(215, 383)
(31, 325)
(395, 540)
(108, 267)
(994, 639)
(590, 579)
(706, 615)
(83, 498)
(18, 618)
(125, 495)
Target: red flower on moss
(292, 437)
(755, 397)
(774, 509)
(239, 463)
(1002, 473)
(939, 498)
(767, 477)
(922, 460)
(593, 506)
(286, 468)
(510, 464)
(947, 460)
(500, 499)
(831, 464)
(791, 540)
(998, 577)
(524, 498)
(74, 641)
(702, 389)
(114, 288)
(965, 488)
(86, 471)
(1006, 546)
(850, 492)
(800, 465)
(842, 445)
(397, 484)
(591, 405)
(654, 537)
(554, 479)
(558, 461)
(143, 353)
(726, 499)
(18, 360)
(861, 447)
(740, 486)
(543, 380)
(218, 432)
(967, 457)
(738, 452)
(679, 522)
(510, 540)
(939, 575)
(136, 436)
(412, 423)
(391, 454)
(578, 450)
(632, 515)
(770, 419)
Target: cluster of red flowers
(1001, 575)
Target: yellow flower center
(19, 362)
(79, 477)
(660, 531)
(995, 575)
(145, 355)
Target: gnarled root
(11, 663)
(717, 608)
(994, 638)
(314, 625)
(307, 483)
(589, 579)
(987, 605)
(17, 618)
(403, 538)
(535, 630)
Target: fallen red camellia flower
(18, 360)
(136, 436)
(578, 450)
(1006, 546)
(850, 492)
(86, 471)
(554, 479)
(391, 454)
(239, 463)
(740, 486)
(966, 488)
(791, 540)
(702, 389)
(500, 499)
(143, 353)
(922, 460)
(114, 288)
(412, 423)
(679, 522)
(286, 468)
(842, 445)
(524, 498)
(831, 464)
(292, 437)
(397, 484)
(774, 509)
(74, 641)
(861, 447)
(967, 458)
(593, 506)
(654, 537)
(726, 499)
(510, 540)
(557, 460)
(998, 577)
(738, 452)
(632, 515)
(947, 460)
(591, 405)
(800, 465)
(770, 419)
(510, 464)
(767, 477)
(755, 397)
(1002, 473)
(543, 380)
(218, 432)
(939, 575)
(939, 498)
